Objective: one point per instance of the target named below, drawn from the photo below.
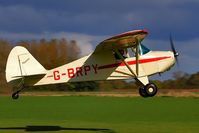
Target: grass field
(87, 114)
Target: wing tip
(129, 32)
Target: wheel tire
(151, 89)
(15, 96)
(142, 92)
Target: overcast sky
(91, 21)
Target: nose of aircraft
(173, 58)
(168, 62)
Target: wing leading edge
(121, 41)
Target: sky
(91, 21)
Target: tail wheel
(151, 89)
(143, 92)
(15, 95)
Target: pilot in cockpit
(123, 52)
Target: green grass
(88, 114)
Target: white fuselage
(104, 66)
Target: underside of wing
(121, 41)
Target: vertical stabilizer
(21, 63)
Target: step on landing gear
(149, 90)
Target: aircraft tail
(21, 63)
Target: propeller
(176, 54)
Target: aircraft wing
(121, 41)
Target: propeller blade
(177, 62)
(173, 47)
(176, 54)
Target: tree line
(55, 52)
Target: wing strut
(143, 80)
(137, 56)
(123, 60)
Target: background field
(89, 114)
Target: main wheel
(142, 92)
(15, 95)
(151, 89)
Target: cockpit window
(143, 49)
(131, 52)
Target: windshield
(143, 49)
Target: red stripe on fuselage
(141, 61)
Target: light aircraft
(122, 56)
